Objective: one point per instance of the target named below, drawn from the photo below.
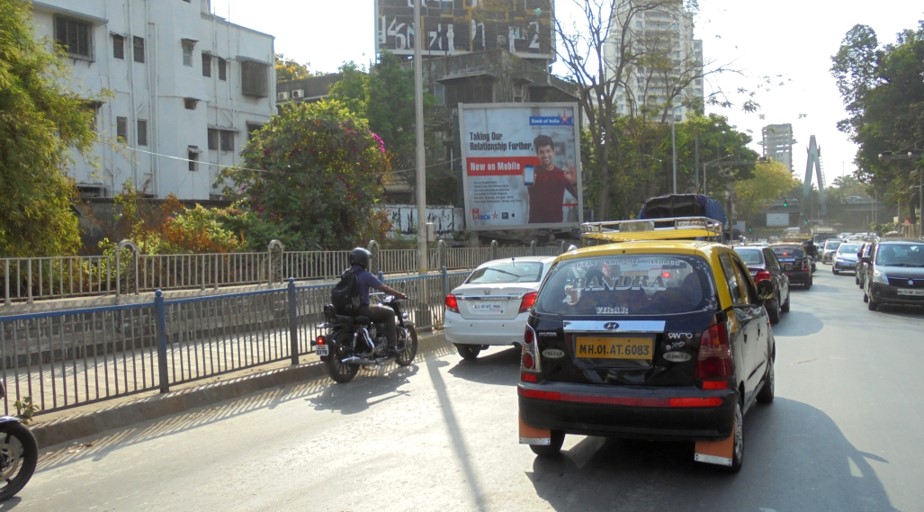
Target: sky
(789, 41)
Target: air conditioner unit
(298, 93)
(283, 95)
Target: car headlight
(879, 277)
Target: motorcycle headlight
(880, 277)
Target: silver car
(830, 247)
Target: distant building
(777, 143)
(313, 88)
(176, 90)
(668, 31)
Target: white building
(177, 91)
(665, 32)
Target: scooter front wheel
(18, 457)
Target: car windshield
(789, 252)
(901, 255)
(848, 249)
(831, 245)
(646, 284)
(751, 256)
(507, 272)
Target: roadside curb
(71, 425)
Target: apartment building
(664, 33)
(176, 91)
(777, 141)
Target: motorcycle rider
(359, 262)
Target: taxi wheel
(768, 392)
(553, 448)
(468, 352)
(873, 306)
(773, 309)
(738, 446)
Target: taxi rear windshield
(628, 285)
(789, 252)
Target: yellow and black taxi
(659, 332)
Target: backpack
(345, 295)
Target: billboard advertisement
(521, 165)
(777, 220)
(451, 27)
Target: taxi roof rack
(669, 228)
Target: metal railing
(26, 280)
(67, 358)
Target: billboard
(451, 27)
(521, 165)
(776, 220)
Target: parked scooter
(18, 454)
(350, 342)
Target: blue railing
(71, 357)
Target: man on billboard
(547, 188)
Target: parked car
(673, 342)
(863, 265)
(830, 247)
(895, 274)
(764, 266)
(845, 258)
(491, 306)
(796, 264)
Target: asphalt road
(842, 435)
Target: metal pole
(421, 167)
(674, 149)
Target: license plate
(610, 347)
(917, 292)
(487, 306)
(322, 350)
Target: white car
(492, 305)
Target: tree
(287, 69)
(770, 181)
(312, 177)
(601, 76)
(884, 95)
(39, 123)
(352, 89)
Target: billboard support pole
(421, 167)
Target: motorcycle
(18, 454)
(350, 342)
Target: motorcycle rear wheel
(339, 371)
(407, 355)
(18, 457)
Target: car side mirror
(765, 290)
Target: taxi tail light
(529, 300)
(452, 304)
(529, 360)
(714, 363)
(762, 275)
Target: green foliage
(315, 172)
(769, 182)
(39, 123)
(352, 89)
(25, 409)
(883, 93)
(288, 69)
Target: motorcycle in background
(350, 342)
(18, 454)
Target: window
(222, 69)
(74, 35)
(206, 64)
(138, 45)
(254, 79)
(221, 139)
(118, 46)
(122, 129)
(142, 132)
(190, 103)
(252, 128)
(188, 46)
(192, 156)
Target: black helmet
(360, 256)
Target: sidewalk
(71, 424)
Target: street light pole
(706, 165)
